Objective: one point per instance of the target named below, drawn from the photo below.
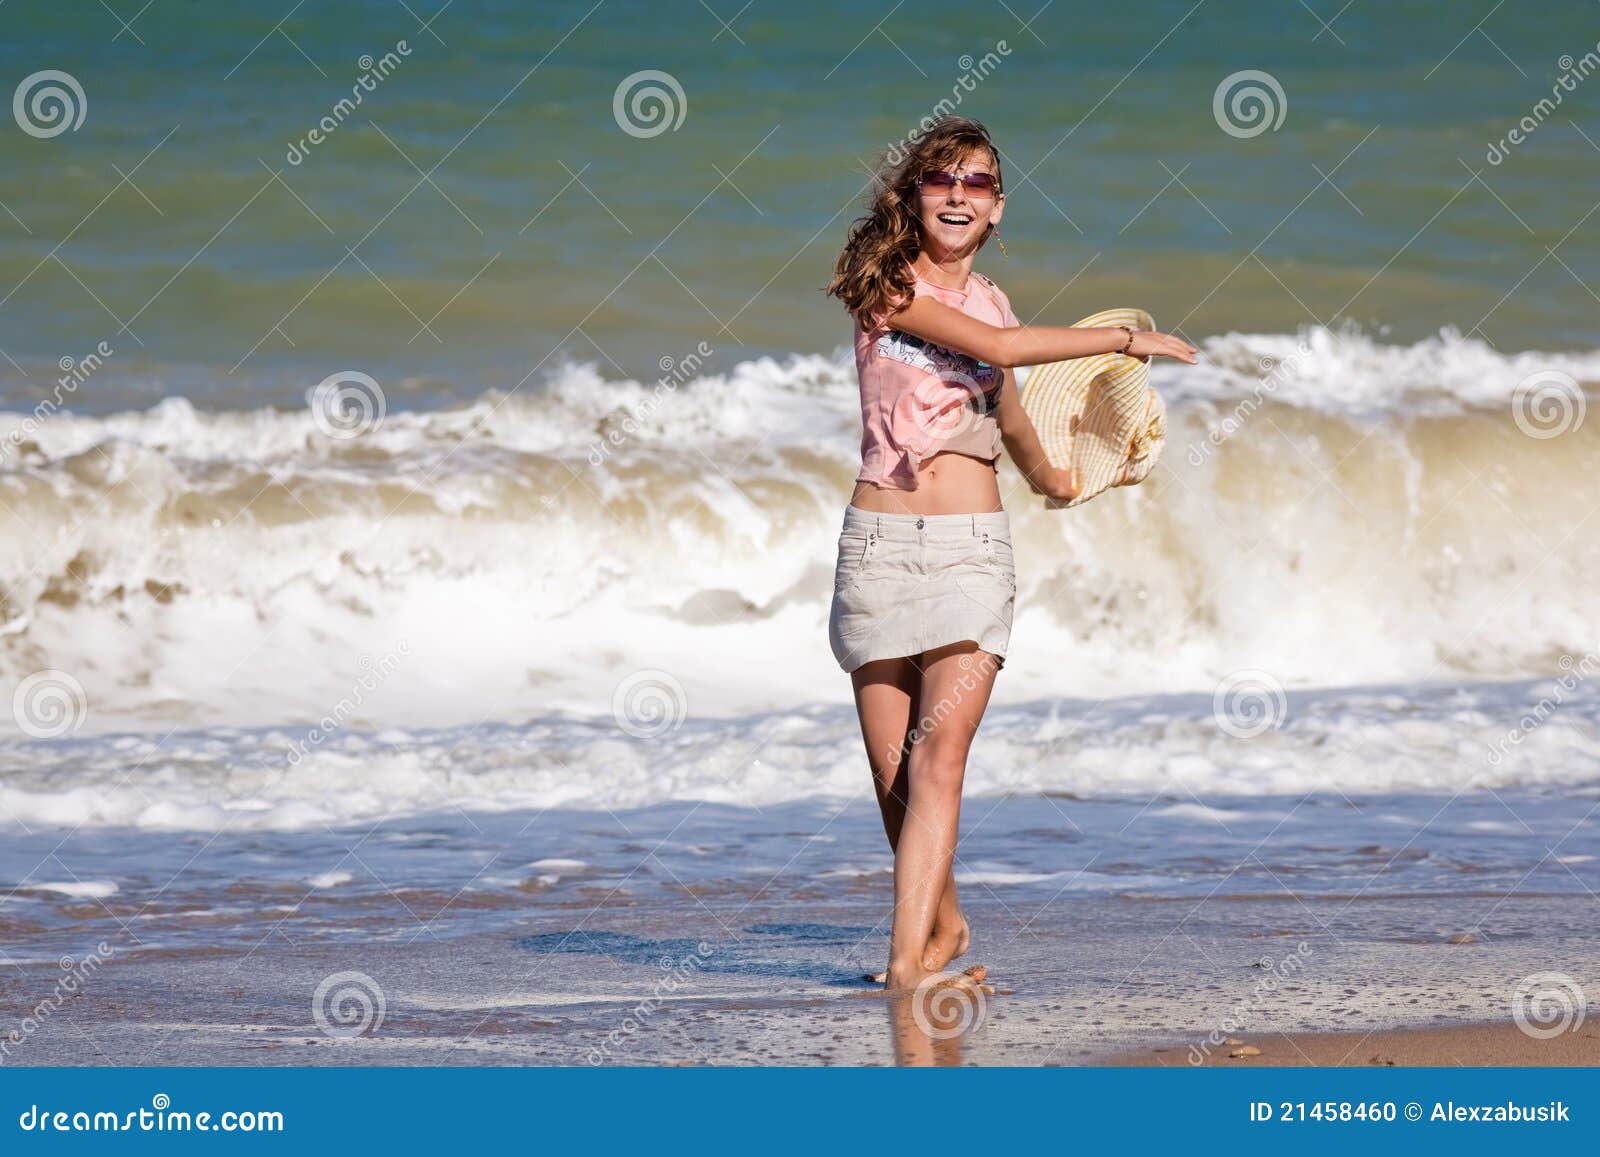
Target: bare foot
(944, 946)
(969, 978)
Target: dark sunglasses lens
(933, 179)
(979, 182)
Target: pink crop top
(918, 399)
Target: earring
(999, 242)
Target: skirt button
(919, 524)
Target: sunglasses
(978, 184)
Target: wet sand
(729, 978)
(711, 934)
(1467, 1045)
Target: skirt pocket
(856, 551)
(998, 557)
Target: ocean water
(575, 559)
(227, 272)
(706, 933)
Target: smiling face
(954, 218)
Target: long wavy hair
(872, 275)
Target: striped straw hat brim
(1098, 413)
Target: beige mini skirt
(908, 583)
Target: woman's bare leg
(950, 937)
(956, 683)
(886, 690)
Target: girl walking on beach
(924, 584)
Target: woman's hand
(1055, 482)
(1147, 344)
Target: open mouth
(957, 219)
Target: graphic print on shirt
(936, 359)
(957, 394)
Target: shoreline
(1477, 1044)
(724, 936)
(630, 982)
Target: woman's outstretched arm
(1026, 345)
(1022, 444)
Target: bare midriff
(947, 483)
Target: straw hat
(1098, 414)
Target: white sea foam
(453, 612)
(1347, 371)
(1199, 811)
(1170, 750)
(1381, 518)
(76, 889)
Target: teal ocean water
(480, 219)
(570, 256)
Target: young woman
(924, 584)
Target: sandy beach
(1474, 1044)
(688, 939)
(627, 1000)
